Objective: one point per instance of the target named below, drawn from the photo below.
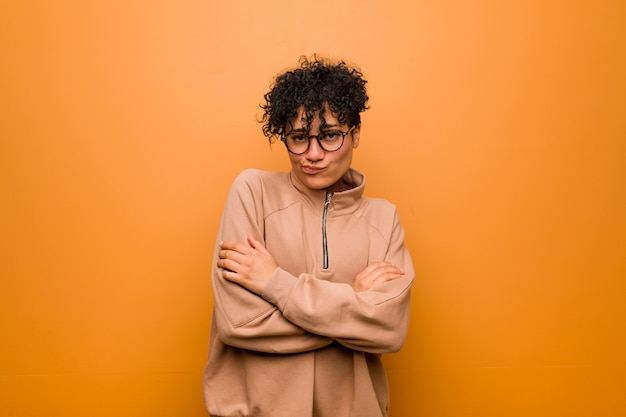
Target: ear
(356, 136)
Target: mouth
(311, 170)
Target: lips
(311, 170)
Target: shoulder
(266, 191)
(381, 214)
(259, 185)
(375, 205)
(256, 178)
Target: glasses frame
(343, 138)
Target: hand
(248, 265)
(374, 274)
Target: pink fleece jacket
(310, 345)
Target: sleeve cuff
(279, 287)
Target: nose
(315, 151)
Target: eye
(298, 138)
(331, 135)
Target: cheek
(345, 157)
(294, 159)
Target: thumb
(255, 244)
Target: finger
(229, 275)
(389, 276)
(230, 254)
(381, 265)
(384, 272)
(233, 245)
(371, 268)
(383, 268)
(228, 264)
(252, 241)
(387, 267)
(256, 244)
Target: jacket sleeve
(244, 319)
(374, 321)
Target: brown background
(497, 127)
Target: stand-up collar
(346, 200)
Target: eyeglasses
(329, 140)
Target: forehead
(300, 120)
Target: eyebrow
(324, 127)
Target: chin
(317, 184)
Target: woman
(311, 279)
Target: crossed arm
(305, 313)
(251, 266)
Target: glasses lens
(331, 140)
(297, 142)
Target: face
(319, 169)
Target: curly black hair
(314, 84)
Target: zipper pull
(328, 205)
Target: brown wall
(497, 127)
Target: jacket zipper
(329, 196)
